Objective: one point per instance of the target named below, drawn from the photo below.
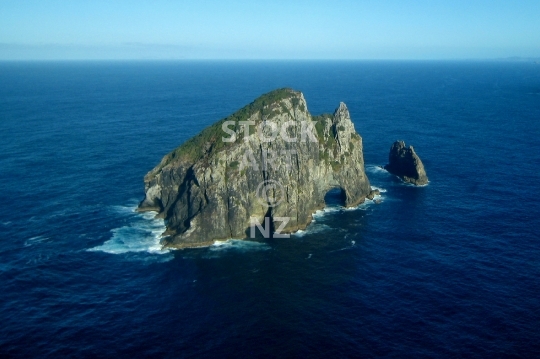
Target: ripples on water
(445, 270)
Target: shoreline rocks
(373, 193)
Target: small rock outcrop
(373, 194)
(405, 163)
(270, 162)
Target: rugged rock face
(405, 163)
(276, 165)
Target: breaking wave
(375, 169)
(142, 234)
(238, 245)
(312, 228)
(220, 248)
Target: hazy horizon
(251, 30)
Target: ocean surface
(448, 270)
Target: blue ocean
(451, 269)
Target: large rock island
(266, 162)
(405, 163)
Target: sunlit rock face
(271, 159)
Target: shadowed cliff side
(209, 188)
(405, 163)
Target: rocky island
(271, 163)
(405, 163)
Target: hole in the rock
(335, 197)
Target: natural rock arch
(205, 193)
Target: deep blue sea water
(447, 270)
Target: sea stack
(405, 163)
(271, 162)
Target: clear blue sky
(277, 29)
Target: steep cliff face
(405, 163)
(268, 160)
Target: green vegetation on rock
(210, 139)
(320, 127)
